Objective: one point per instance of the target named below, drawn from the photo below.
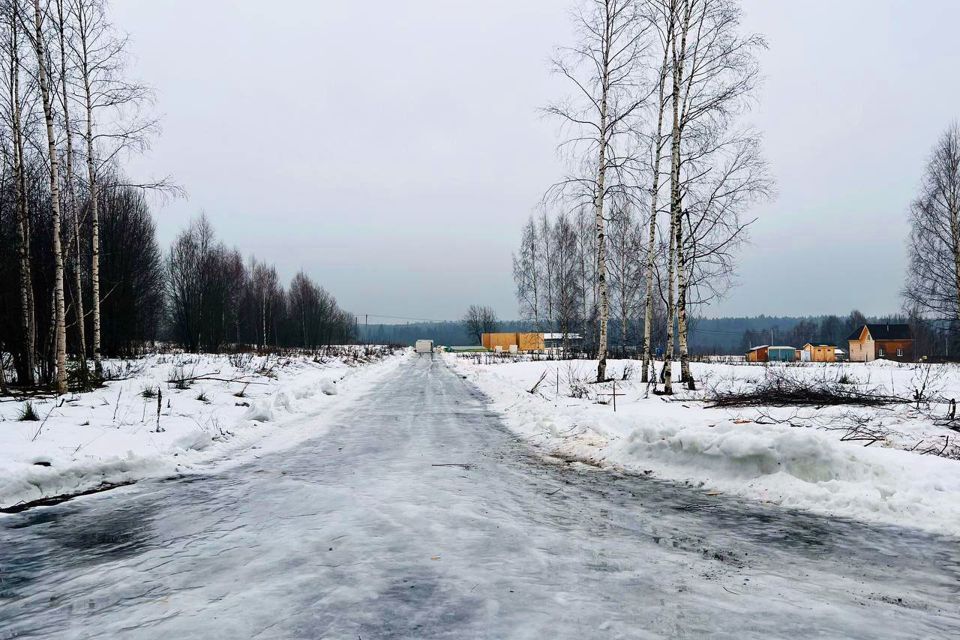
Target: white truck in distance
(424, 346)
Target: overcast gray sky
(393, 148)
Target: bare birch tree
(661, 18)
(933, 278)
(605, 68)
(100, 55)
(626, 276)
(567, 281)
(587, 271)
(527, 273)
(713, 70)
(547, 307)
(38, 39)
(720, 74)
(71, 196)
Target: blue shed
(781, 354)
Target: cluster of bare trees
(661, 174)
(933, 279)
(81, 273)
(555, 272)
(478, 320)
(216, 300)
(68, 114)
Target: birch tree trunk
(648, 300)
(668, 354)
(27, 317)
(60, 331)
(682, 290)
(604, 303)
(675, 203)
(72, 200)
(94, 193)
(955, 228)
(648, 365)
(263, 320)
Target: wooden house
(757, 354)
(881, 341)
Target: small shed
(556, 341)
(819, 352)
(758, 354)
(781, 354)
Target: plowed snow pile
(797, 457)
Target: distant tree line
(708, 336)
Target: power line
(389, 317)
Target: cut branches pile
(780, 389)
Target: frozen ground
(808, 457)
(236, 407)
(417, 514)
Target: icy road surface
(417, 515)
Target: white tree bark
(675, 202)
(72, 198)
(601, 192)
(85, 71)
(44, 85)
(649, 370)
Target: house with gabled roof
(881, 341)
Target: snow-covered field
(233, 408)
(894, 464)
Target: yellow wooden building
(819, 353)
(514, 341)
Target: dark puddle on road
(69, 536)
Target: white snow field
(417, 514)
(806, 458)
(236, 407)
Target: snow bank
(728, 451)
(110, 436)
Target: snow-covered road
(418, 515)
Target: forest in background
(708, 336)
